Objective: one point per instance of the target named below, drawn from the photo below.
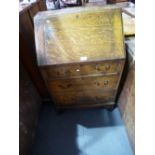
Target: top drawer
(71, 70)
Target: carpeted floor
(80, 132)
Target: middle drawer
(83, 83)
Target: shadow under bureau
(81, 55)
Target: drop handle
(97, 67)
(97, 83)
(107, 66)
(106, 82)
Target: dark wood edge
(29, 6)
(87, 106)
(122, 79)
(32, 68)
(83, 76)
(119, 81)
(82, 62)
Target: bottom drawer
(84, 97)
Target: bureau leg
(60, 111)
(112, 108)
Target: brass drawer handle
(97, 83)
(97, 67)
(107, 66)
(106, 82)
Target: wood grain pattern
(82, 69)
(84, 83)
(126, 99)
(29, 108)
(73, 37)
(82, 98)
(27, 48)
(32, 68)
(81, 55)
(26, 29)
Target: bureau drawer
(84, 97)
(86, 83)
(62, 71)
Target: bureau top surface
(78, 34)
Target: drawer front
(81, 84)
(63, 71)
(85, 97)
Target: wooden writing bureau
(80, 53)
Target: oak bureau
(81, 55)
